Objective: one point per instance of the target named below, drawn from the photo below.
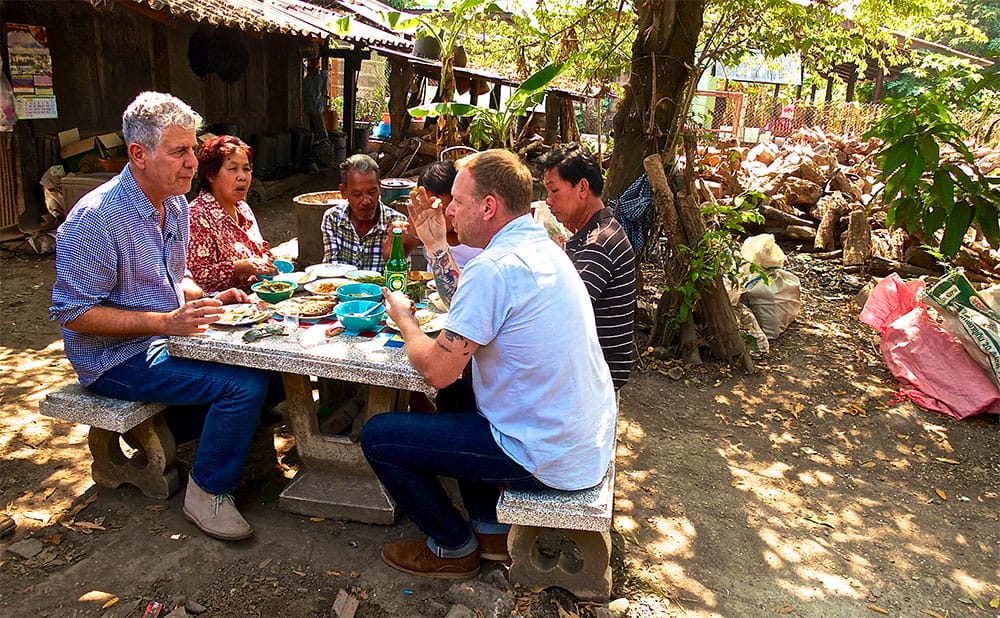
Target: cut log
(828, 210)
(858, 241)
(774, 216)
(792, 232)
(801, 192)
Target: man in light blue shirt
(546, 405)
(122, 287)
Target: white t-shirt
(539, 376)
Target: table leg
(335, 480)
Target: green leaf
(458, 110)
(988, 218)
(958, 224)
(944, 187)
(929, 151)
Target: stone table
(336, 480)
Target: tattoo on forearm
(446, 273)
(453, 339)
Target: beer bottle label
(396, 281)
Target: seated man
(546, 415)
(121, 288)
(599, 248)
(359, 232)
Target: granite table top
(368, 359)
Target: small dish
(330, 270)
(284, 266)
(297, 277)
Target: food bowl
(350, 314)
(274, 291)
(360, 291)
(284, 266)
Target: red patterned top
(217, 242)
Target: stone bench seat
(140, 424)
(561, 538)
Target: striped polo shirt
(603, 255)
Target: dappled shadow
(798, 491)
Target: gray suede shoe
(216, 516)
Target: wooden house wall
(102, 59)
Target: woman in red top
(226, 248)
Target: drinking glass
(292, 321)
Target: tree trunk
(649, 114)
(400, 78)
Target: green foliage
(491, 128)
(924, 193)
(717, 253)
(370, 110)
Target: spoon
(367, 312)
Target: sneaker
(215, 515)
(493, 547)
(415, 558)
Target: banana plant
(492, 128)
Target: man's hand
(400, 308)
(409, 241)
(194, 316)
(232, 296)
(428, 219)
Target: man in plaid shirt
(359, 231)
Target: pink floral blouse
(217, 242)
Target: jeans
(408, 451)
(235, 396)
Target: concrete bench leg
(577, 560)
(152, 469)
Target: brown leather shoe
(493, 547)
(416, 558)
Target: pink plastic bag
(933, 370)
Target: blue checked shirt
(111, 252)
(342, 244)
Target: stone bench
(142, 426)
(561, 538)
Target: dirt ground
(802, 490)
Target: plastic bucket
(309, 209)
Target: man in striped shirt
(122, 288)
(599, 248)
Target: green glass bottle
(396, 269)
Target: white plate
(280, 307)
(361, 274)
(319, 286)
(333, 269)
(298, 277)
(242, 314)
(430, 322)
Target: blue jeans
(408, 451)
(235, 396)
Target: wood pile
(823, 197)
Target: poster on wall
(31, 72)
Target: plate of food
(367, 276)
(330, 270)
(243, 314)
(298, 277)
(430, 321)
(422, 276)
(326, 287)
(310, 307)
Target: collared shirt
(538, 375)
(111, 252)
(341, 242)
(602, 254)
(217, 242)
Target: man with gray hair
(122, 287)
(359, 230)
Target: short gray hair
(150, 113)
(360, 163)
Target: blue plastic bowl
(360, 291)
(284, 266)
(347, 312)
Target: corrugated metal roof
(289, 17)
